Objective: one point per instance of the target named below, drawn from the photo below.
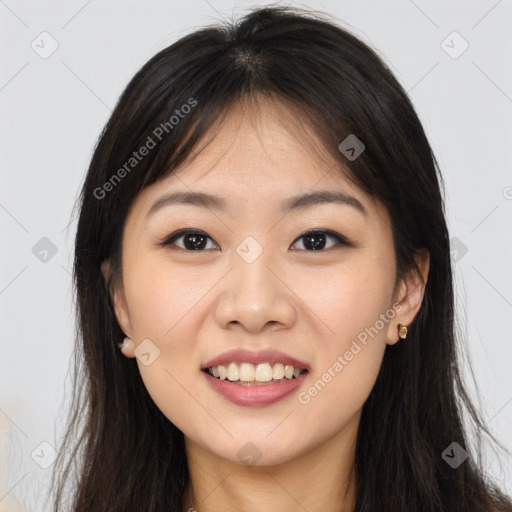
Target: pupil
(194, 238)
(318, 245)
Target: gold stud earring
(402, 331)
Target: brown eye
(193, 240)
(316, 240)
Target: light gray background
(53, 109)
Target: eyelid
(168, 240)
(342, 241)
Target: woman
(262, 233)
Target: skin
(310, 304)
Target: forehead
(261, 139)
(259, 153)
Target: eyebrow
(299, 202)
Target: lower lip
(254, 396)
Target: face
(199, 281)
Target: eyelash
(341, 240)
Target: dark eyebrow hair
(299, 202)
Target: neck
(322, 479)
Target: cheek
(345, 301)
(352, 343)
(344, 377)
(171, 391)
(161, 297)
(162, 306)
(171, 379)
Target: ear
(120, 307)
(408, 295)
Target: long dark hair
(120, 453)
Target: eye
(194, 240)
(314, 240)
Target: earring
(402, 331)
(127, 342)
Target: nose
(255, 296)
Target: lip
(254, 396)
(248, 356)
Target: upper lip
(241, 355)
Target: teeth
(233, 372)
(262, 372)
(223, 372)
(278, 371)
(246, 372)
